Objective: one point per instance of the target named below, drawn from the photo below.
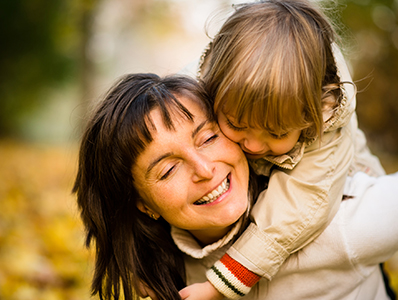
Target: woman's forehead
(179, 118)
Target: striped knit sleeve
(231, 278)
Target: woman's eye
(167, 174)
(212, 138)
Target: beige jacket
(305, 189)
(341, 264)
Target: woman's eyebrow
(198, 128)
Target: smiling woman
(153, 157)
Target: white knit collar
(187, 243)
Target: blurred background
(56, 60)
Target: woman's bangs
(138, 128)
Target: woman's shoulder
(369, 217)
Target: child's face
(255, 142)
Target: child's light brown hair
(272, 66)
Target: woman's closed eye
(168, 172)
(211, 138)
(171, 168)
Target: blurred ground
(42, 254)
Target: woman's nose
(203, 169)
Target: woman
(131, 239)
(153, 159)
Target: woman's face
(193, 176)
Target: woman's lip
(228, 177)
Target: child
(277, 91)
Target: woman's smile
(215, 194)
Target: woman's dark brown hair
(130, 246)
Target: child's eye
(279, 136)
(233, 127)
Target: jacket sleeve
(231, 278)
(292, 212)
(371, 229)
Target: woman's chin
(233, 213)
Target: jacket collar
(187, 243)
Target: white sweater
(341, 264)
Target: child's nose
(254, 146)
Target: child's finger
(184, 293)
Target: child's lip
(254, 155)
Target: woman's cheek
(230, 145)
(228, 133)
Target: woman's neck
(206, 237)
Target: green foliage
(38, 52)
(372, 41)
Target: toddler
(280, 94)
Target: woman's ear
(146, 210)
(142, 207)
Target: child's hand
(201, 291)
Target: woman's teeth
(210, 197)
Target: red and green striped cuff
(231, 278)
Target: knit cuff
(230, 278)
